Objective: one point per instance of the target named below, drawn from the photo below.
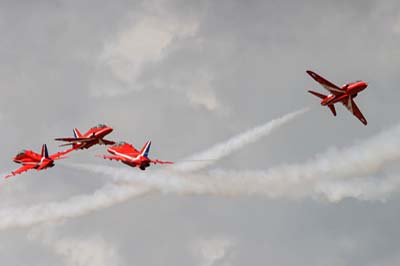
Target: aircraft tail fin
(77, 134)
(319, 95)
(333, 110)
(146, 149)
(45, 152)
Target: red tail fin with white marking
(146, 149)
(77, 134)
(44, 152)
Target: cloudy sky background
(189, 74)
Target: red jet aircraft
(33, 160)
(127, 154)
(93, 136)
(344, 94)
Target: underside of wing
(161, 162)
(110, 157)
(75, 140)
(353, 108)
(329, 86)
(58, 155)
(107, 142)
(65, 139)
(22, 169)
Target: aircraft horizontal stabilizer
(319, 95)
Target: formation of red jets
(122, 151)
(127, 154)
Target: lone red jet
(93, 136)
(344, 94)
(127, 154)
(33, 160)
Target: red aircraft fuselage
(344, 94)
(97, 133)
(128, 155)
(33, 158)
(93, 136)
(350, 90)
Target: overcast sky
(187, 75)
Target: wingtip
(311, 92)
(364, 121)
(312, 74)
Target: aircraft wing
(161, 162)
(106, 142)
(75, 140)
(22, 169)
(72, 141)
(58, 155)
(353, 108)
(329, 86)
(111, 157)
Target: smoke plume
(333, 175)
(114, 193)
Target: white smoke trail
(334, 168)
(235, 143)
(333, 175)
(259, 183)
(365, 188)
(76, 206)
(112, 194)
(256, 183)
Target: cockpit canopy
(100, 126)
(347, 84)
(21, 153)
(121, 143)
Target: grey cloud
(256, 53)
